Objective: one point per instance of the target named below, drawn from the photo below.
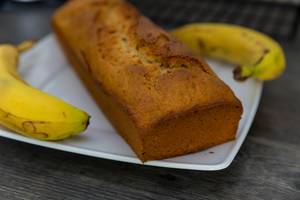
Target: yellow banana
(29, 111)
(256, 54)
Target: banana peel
(29, 111)
(255, 54)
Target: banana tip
(87, 121)
(237, 74)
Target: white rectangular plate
(46, 68)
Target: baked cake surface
(163, 99)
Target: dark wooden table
(266, 167)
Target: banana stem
(26, 45)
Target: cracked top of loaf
(150, 73)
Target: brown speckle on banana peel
(29, 127)
(201, 45)
(64, 114)
(265, 52)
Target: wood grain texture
(267, 166)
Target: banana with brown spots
(256, 54)
(29, 111)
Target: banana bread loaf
(164, 100)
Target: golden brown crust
(151, 75)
